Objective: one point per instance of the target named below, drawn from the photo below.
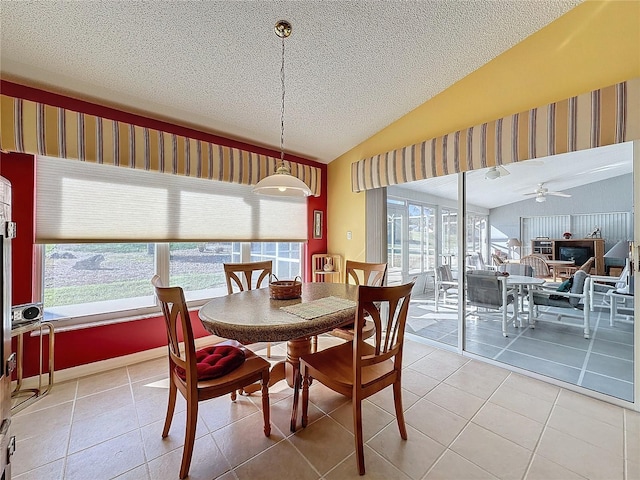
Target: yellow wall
(594, 45)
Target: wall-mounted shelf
(322, 272)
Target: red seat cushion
(215, 361)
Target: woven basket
(285, 289)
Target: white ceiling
(352, 67)
(558, 173)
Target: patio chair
(445, 285)
(207, 373)
(577, 299)
(488, 289)
(539, 265)
(362, 369)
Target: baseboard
(73, 373)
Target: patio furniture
(446, 286)
(577, 299)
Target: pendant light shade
(282, 183)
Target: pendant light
(282, 183)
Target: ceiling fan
(541, 193)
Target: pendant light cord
(282, 109)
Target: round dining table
(252, 316)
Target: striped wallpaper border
(40, 129)
(602, 117)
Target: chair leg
(397, 401)
(189, 436)
(170, 408)
(357, 430)
(265, 403)
(305, 398)
(297, 382)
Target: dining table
(252, 316)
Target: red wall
(86, 345)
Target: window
(93, 281)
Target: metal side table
(23, 397)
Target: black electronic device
(26, 313)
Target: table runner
(320, 307)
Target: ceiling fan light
(492, 174)
(541, 198)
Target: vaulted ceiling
(352, 67)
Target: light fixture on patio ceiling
(282, 183)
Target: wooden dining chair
(361, 273)
(360, 369)
(240, 277)
(539, 265)
(207, 373)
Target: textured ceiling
(352, 67)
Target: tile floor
(466, 420)
(603, 363)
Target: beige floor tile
(417, 383)
(485, 370)
(434, 368)
(633, 469)
(414, 351)
(88, 406)
(491, 452)
(384, 399)
(220, 412)
(523, 403)
(543, 469)
(269, 465)
(414, 456)
(325, 399)
(40, 450)
(579, 456)
(632, 434)
(452, 466)
(591, 407)
(281, 415)
(155, 445)
(31, 425)
(324, 444)
(245, 438)
(108, 459)
(478, 383)
(374, 418)
(59, 394)
(102, 381)
(434, 421)
(230, 475)
(531, 386)
(376, 468)
(590, 430)
(455, 400)
(448, 357)
(50, 471)
(510, 425)
(149, 369)
(102, 427)
(153, 386)
(207, 462)
(138, 473)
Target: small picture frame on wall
(317, 224)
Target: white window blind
(86, 202)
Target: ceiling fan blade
(531, 193)
(559, 194)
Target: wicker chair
(539, 265)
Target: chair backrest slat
(388, 307)
(363, 273)
(175, 312)
(240, 275)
